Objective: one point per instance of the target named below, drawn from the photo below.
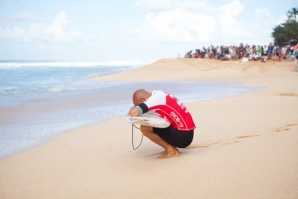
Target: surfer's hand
(133, 112)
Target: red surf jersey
(168, 107)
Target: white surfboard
(149, 119)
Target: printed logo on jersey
(177, 119)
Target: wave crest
(70, 64)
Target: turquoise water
(42, 99)
(21, 81)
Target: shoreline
(27, 126)
(69, 131)
(244, 146)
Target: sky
(134, 31)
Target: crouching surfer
(181, 131)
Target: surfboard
(149, 119)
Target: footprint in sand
(288, 94)
(223, 142)
(284, 128)
(231, 140)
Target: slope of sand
(244, 146)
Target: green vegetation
(287, 30)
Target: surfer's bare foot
(163, 152)
(176, 149)
(169, 153)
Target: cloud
(174, 4)
(281, 19)
(174, 21)
(94, 37)
(57, 31)
(187, 21)
(154, 4)
(196, 21)
(262, 13)
(176, 25)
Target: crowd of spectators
(287, 52)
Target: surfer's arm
(134, 111)
(138, 110)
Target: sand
(244, 147)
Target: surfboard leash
(133, 147)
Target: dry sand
(244, 146)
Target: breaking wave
(4, 64)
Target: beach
(245, 146)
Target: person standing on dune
(179, 134)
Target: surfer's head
(139, 96)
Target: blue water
(21, 81)
(42, 99)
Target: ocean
(41, 99)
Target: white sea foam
(55, 90)
(9, 88)
(116, 63)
